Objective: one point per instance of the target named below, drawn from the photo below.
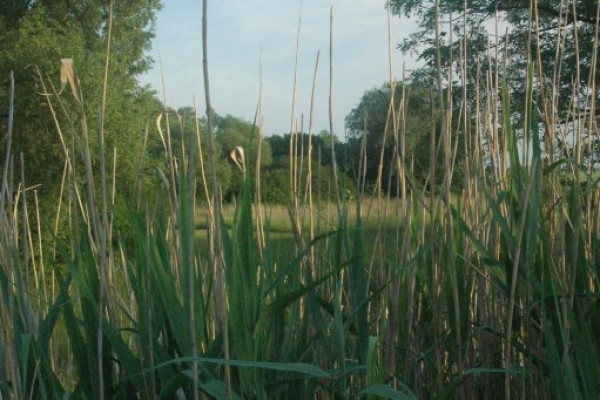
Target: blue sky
(241, 31)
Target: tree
(36, 35)
(276, 182)
(280, 145)
(232, 132)
(366, 126)
(572, 22)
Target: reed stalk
(309, 176)
(217, 245)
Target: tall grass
(485, 292)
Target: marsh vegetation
(461, 263)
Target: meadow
(483, 290)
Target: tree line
(37, 34)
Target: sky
(245, 34)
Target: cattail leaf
(359, 280)
(26, 347)
(127, 360)
(216, 389)
(387, 392)
(588, 365)
(309, 370)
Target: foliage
(280, 145)
(276, 182)
(36, 37)
(182, 126)
(566, 30)
(232, 132)
(371, 125)
(276, 178)
(488, 292)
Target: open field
(380, 219)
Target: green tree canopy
(36, 35)
(367, 123)
(232, 131)
(276, 178)
(321, 143)
(566, 37)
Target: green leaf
(311, 371)
(387, 392)
(214, 388)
